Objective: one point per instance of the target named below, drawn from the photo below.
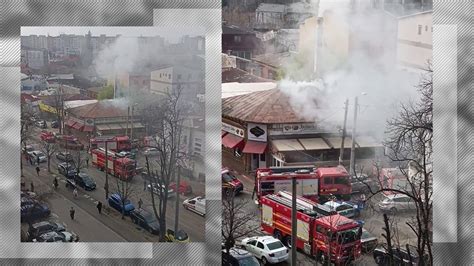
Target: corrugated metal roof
(267, 107)
(232, 89)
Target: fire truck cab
(334, 181)
(114, 143)
(393, 178)
(69, 142)
(332, 237)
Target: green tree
(106, 93)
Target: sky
(172, 34)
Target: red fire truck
(123, 168)
(48, 137)
(393, 178)
(333, 237)
(314, 184)
(114, 143)
(69, 142)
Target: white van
(197, 205)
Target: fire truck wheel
(264, 260)
(277, 234)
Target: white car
(197, 205)
(266, 248)
(38, 154)
(343, 208)
(28, 149)
(150, 152)
(171, 192)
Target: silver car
(40, 155)
(397, 202)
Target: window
(327, 180)
(197, 144)
(169, 76)
(419, 29)
(237, 38)
(341, 180)
(262, 157)
(260, 245)
(253, 242)
(185, 139)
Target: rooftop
(230, 29)
(274, 60)
(241, 76)
(268, 107)
(234, 88)
(100, 109)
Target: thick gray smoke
(370, 75)
(118, 57)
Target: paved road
(190, 222)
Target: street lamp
(352, 161)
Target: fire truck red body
(114, 143)
(393, 178)
(314, 184)
(123, 168)
(69, 142)
(317, 235)
(48, 136)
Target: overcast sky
(171, 34)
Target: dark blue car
(31, 212)
(115, 202)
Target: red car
(184, 188)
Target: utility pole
(106, 186)
(341, 154)
(131, 124)
(176, 215)
(293, 222)
(352, 163)
(128, 118)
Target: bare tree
(26, 124)
(124, 188)
(169, 118)
(49, 148)
(58, 103)
(235, 220)
(78, 161)
(409, 142)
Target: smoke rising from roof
(369, 68)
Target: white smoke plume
(118, 57)
(375, 80)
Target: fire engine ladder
(287, 202)
(299, 200)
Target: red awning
(231, 141)
(78, 126)
(254, 147)
(88, 129)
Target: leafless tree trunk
(58, 101)
(25, 130)
(49, 149)
(235, 220)
(124, 188)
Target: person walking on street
(87, 161)
(37, 170)
(75, 192)
(32, 187)
(99, 207)
(140, 202)
(72, 212)
(30, 160)
(55, 183)
(144, 184)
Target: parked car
(115, 202)
(180, 236)
(41, 124)
(40, 228)
(360, 182)
(146, 220)
(57, 237)
(196, 204)
(184, 188)
(67, 170)
(55, 124)
(126, 154)
(38, 154)
(343, 208)
(237, 257)
(400, 256)
(369, 241)
(85, 181)
(156, 190)
(150, 152)
(397, 202)
(31, 212)
(230, 183)
(28, 149)
(71, 183)
(28, 201)
(266, 248)
(64, 156)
